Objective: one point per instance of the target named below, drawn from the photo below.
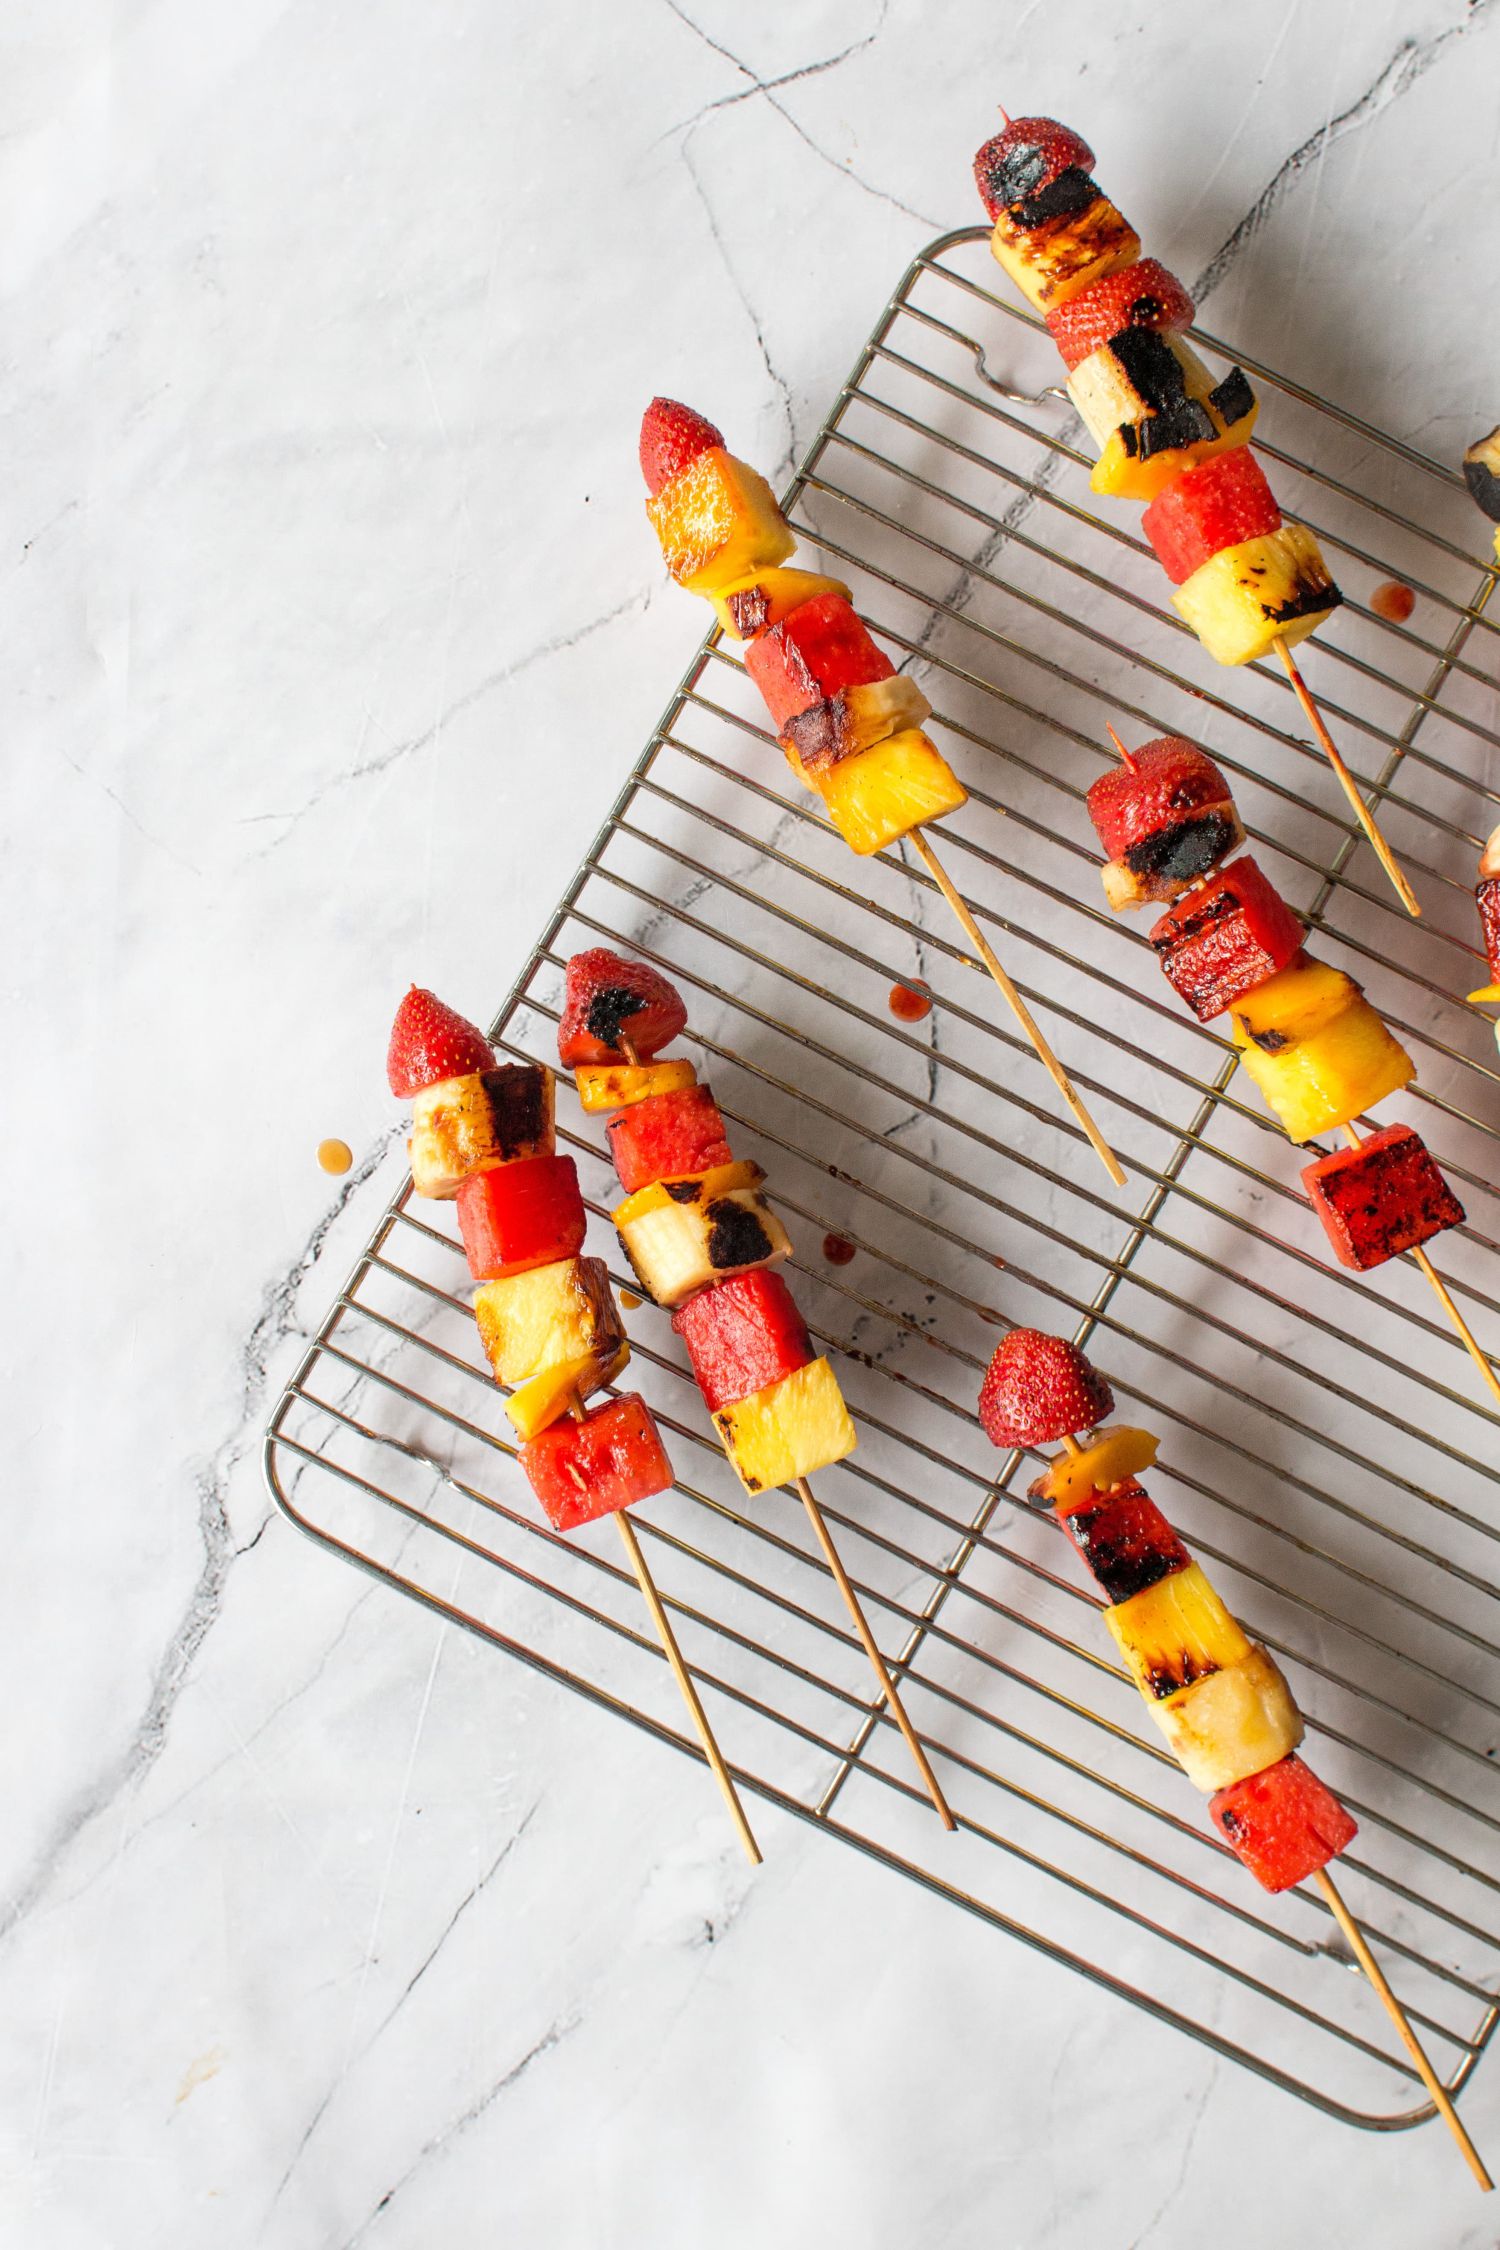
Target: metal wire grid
(1331, 1459)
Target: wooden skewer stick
(1444, 1296)
(871, 1647)
(1409, 2039)
(1019, 1009)
(1347, 782)
(1367, 1961)
(680, 1672)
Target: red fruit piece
(1381, 1198)
(431, 1041)
(1225, 938)
(742, 1334)
(1126, 1541)
(1167, 812)
(668, 1137)
(1282, 1822)
(671, 436)
(1039, 1388)
(515, 1216)
(583, 1470)
(1207, 508)
(1487, 898)
(821, 647)
(1144, 295)
(608, 999)
(1014, 170)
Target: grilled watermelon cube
(1213, 505)
(818, 648)
(1234, 1722)
(514, 1216)
(1382, 1198)
(1126, 1541)
(742, 1335)
(1283, 1823)
(667, 1137)
(1224, 939)
(581, 1470)
(794, 1426)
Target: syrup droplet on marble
(836, 1250)
(911, 1002)
(629, 1300)
(1393, 601)
(335, 1156)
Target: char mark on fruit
(1187, 423)
(1186, 849)
(735, 1235)
(610, 1010)
(1232, 399)
(1071, 191)
(517, 1095)
(683, 1191)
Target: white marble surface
(329, 629)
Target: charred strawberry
(1487, 899)
(1381, 1198)
(1225, 938)
(1039, 1388)
(671, 436)
(1209, 507)
(1144, 295)
(1164, 817)
(431, 1041)
(608, 1000)
(1016, 170)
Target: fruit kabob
(1220, 1699)
(483, 1138)
(1482, 475)
(702, 1240)
(1246, 581)
(850, 724)
(1306, 1035)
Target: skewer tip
(1127, 755)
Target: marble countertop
(330, 630)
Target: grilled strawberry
(1487, 899)
(609, 999)
(1144, 295)
(671, 436)
(1164, 817)
(1209, 507)
(431, 1041)
(1039, 1388)
(1015, 169)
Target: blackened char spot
(1232, 399)
(1269, 1042)
(1187, 423)
(735, 1235)
(821, 734)
(642, 1277)
(517, 1095)
(1184, 850)
(610, 1010)
(1152, 368)
(1315, 594)
(1165, 1679)
(683, 1191)
(749, 608)
(1071, 191)
(1015, 176)
(1231, 1823)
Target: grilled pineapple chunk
(887, 791)
(855, 719)
(676, 1246)
(1316, 1049)
(747, 611)
(463, 1125)
(1115, 1454)
(1237, 1721)
(618, 1085)
(1246, 598)
(1175, 1632)
(795, 1425)
(690, 1187)
(1050, 263)
(529, 1322)
(1140, 460)
(718, 523)
(550, 1395)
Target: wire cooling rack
(1325, 1446)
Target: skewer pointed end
(1127, 755)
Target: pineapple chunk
(464, 1125)
(618, 1085)
(887, 791)
(1052, 262)
(1175, 1632)
(1115, 1454)
(676, 1247)
(690, 1187)
(1235, 1722)
(747, 611)
(795, 1425)
(531, 1321)
(1246, 598)
(718, 523)
(550, 1395)
(1316, 1049)
(1125, 472)
(853, 720)
(1110, 390)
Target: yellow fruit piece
(855, 719)
(677, 1247)
(718, 523)
(548, 1396)
(487, 1117)
(887, 791)
(689, 1187)
(747, 611)
(1486, 996)
(1108, 395)
(1246, 598)
(618, 1085)
(1052, 262)
(531, 1321)
(1115, 1454)
(1316, 1049)
(793, 1426)
(1236, 1722)
(1175, 1632)
(1120, 473)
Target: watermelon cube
(1382, 1198)
(1283, 1823)
(821, 647)
(741, 1335)
(612, 1457)
(1126, 1541)
(1213, 505)
(515, 1216)
(668, 1137)
(1225, 938)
